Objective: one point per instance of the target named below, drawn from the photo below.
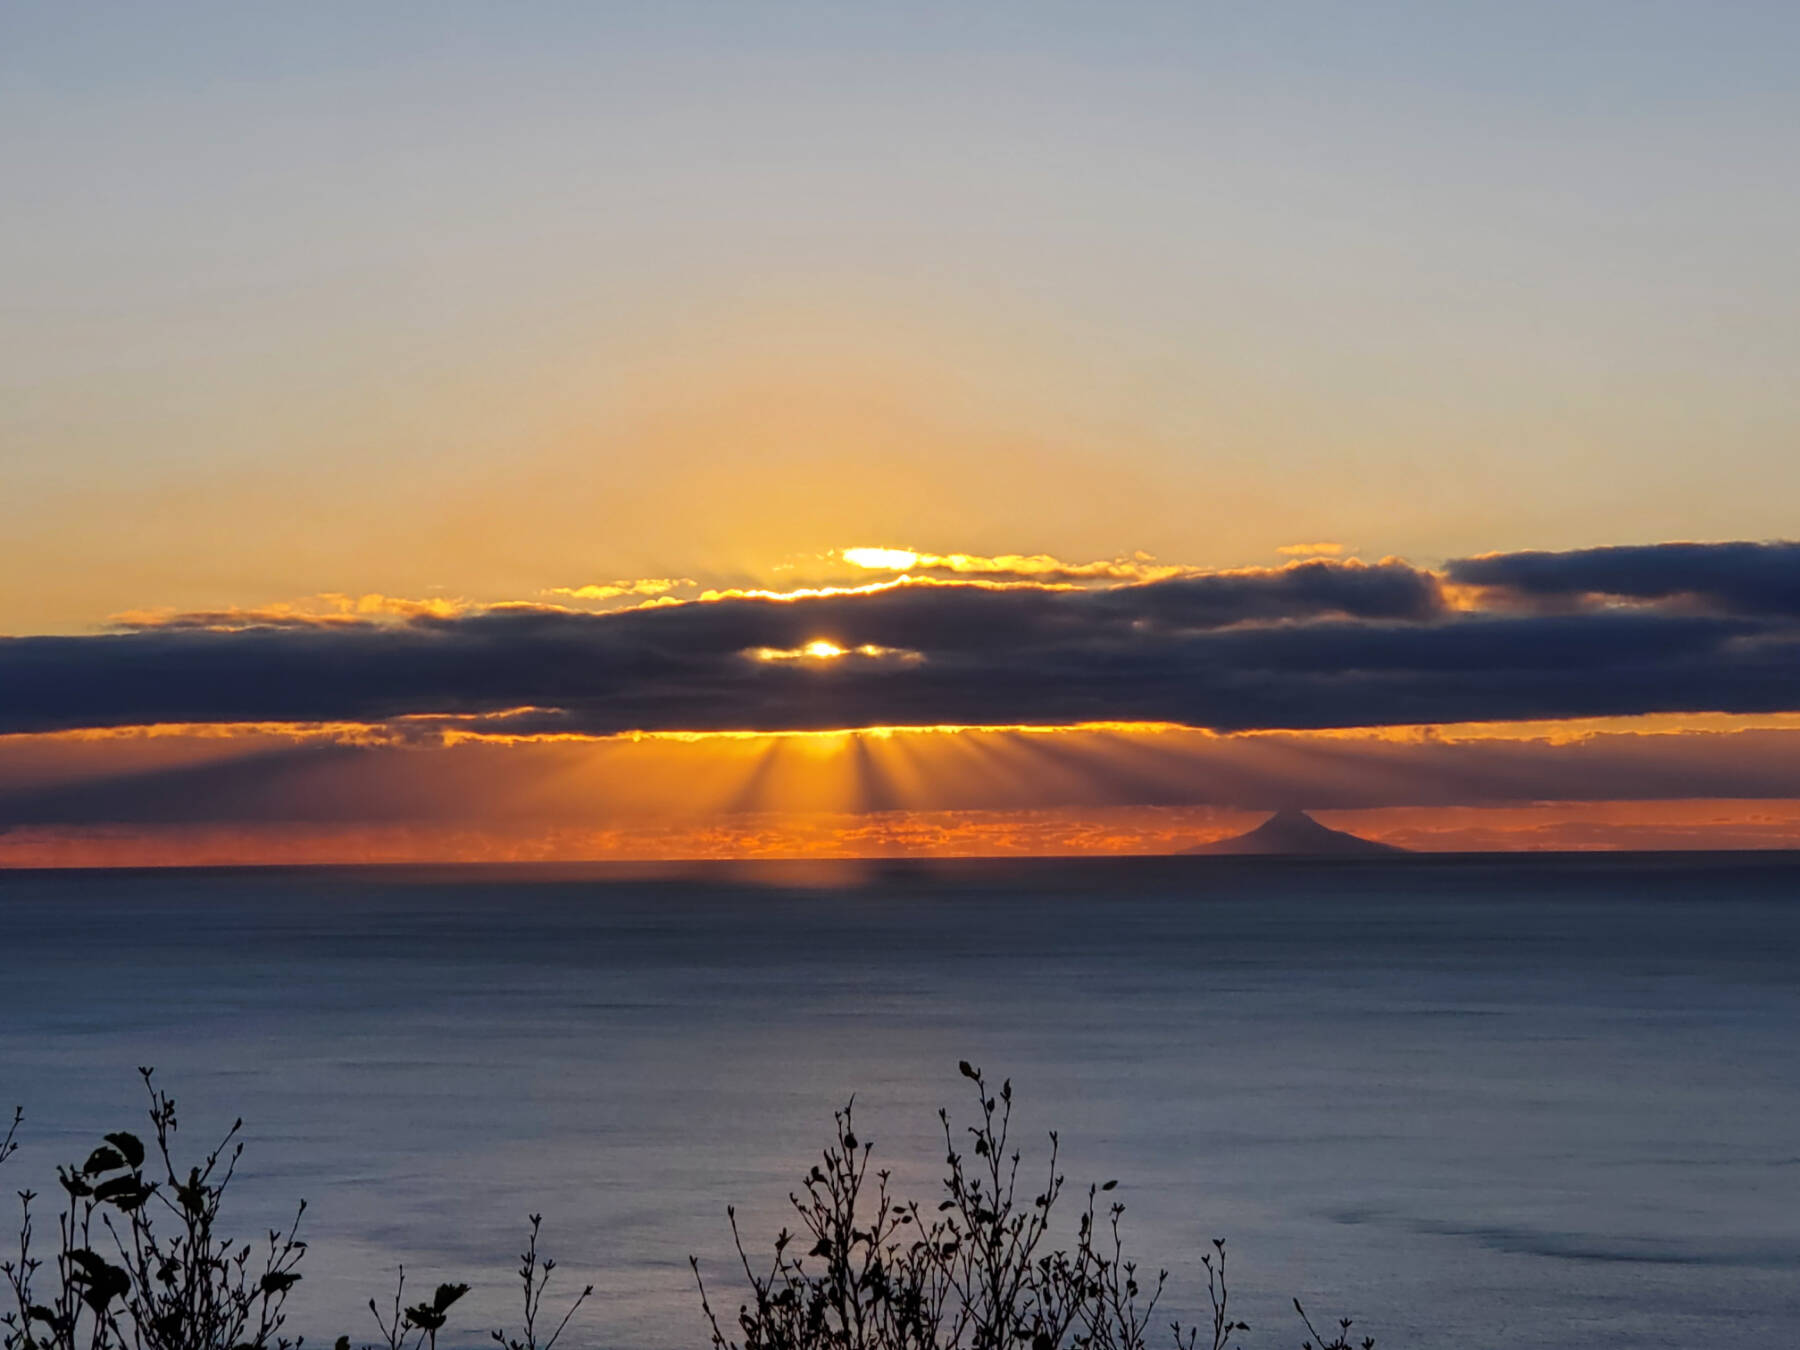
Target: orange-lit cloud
(823, 649)
(325, 610)
(1324, 548)
(907, 581)
(612, 590)
(1313, 644)
(1142, 567)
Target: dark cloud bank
(1743, 578)
(1613, 631)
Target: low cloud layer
(1734, 578)
(1321, 643)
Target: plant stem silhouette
(141, 1259)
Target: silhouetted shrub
(140, 1261)
(866, 1270)
(422, 1321)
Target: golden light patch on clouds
(1464, 599)
(817, 650)
(455, 727)
(823, 649)
(998, 572)
(232, 619)
(405, 729)
(327, 609)
(874, 587)
(612, 590)
(335, 609)
(1139, 567)
(1324, 548)
(715, 594)
(1563, 731)
(394, 606)
(452, 728)
(838, 734)
(370, 733)
(1553, 732)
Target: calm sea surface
(1526, 1102)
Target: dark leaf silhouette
(74, 1185)
(126, 1192)
(102, 1160)
(130, 1147)
(446, 1295)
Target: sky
(548, 431)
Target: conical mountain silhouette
(1295, 834)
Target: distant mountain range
(1295, 834)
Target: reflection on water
(1484, 1102)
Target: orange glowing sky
(427, 352)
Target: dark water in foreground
(1524, 1102)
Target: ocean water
(1482, 1102)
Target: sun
(819, 649)
(880, 559)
